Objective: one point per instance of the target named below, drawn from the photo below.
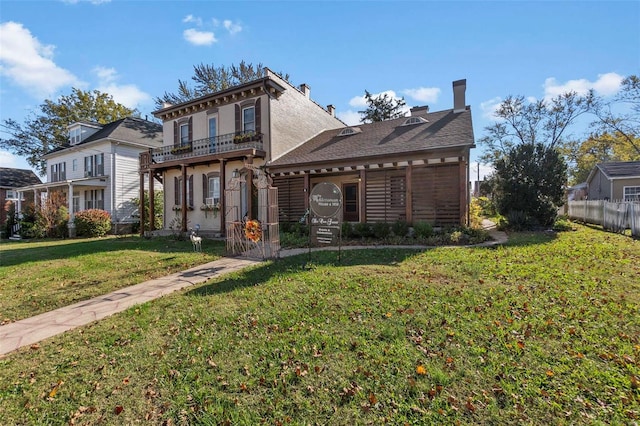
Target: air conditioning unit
(210, 202)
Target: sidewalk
(32, 330)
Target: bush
(362, 230)
(92, 223)
(381, 230)
(562, 224)
(422, 230)
(400, 228)
(347, 230)
(518, 220)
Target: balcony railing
(214, 145)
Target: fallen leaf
(118, 409)
(54, 391)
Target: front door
(350, 205)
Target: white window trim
(636, 194)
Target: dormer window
(349, 131)
(74, 136)
(414, 120)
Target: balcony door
(213, 132)
(350, 204)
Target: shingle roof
(130, 129)
(17, 178)
(443, 129)
(618, 169)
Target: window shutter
(238, 119)
(191, 129)
(176, 134)
(176, 191)
(258, 115)
(190, 199)
(205, 190)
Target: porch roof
(385, 139)
(100, 182)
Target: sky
(138, 50)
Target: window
(349, 131)
(94, 165)
(94, 199)
(249, 119)
(74, 135)
(184, 134)
(414, 120)
(58, 172)
(178, 191)
(213, 132)
(632, 193)
(74, 165)
(214, 190)
(11, 194)
(76, 201)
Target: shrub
(400, 228)
(362, 230)
(92, 223)
(347, 230)
(518, 220)
(563, 224)
(381, 230)
(422, 229)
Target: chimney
(459, 103)
(306, 90)
(419, 109)
(332, 110)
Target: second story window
(249, 119)
(182, 132)
(58, 172)
(74, 135)
(94, 165)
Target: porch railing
(214, 145)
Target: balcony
(210, 146)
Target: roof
(17, 178)
(620, 169)
(444, 129)
(130, 129)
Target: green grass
(544, 330)
(41, 276)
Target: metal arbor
(257, 238)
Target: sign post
(325, 203)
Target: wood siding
(435, 196)
(386, 196)
(291, 198)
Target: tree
(210, 79)
(42, 132)
(529, 123)
(530, 184)
(382, 107)
(625, 125)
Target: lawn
(41, 276)
(543, 330)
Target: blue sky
(137, 50)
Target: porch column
(409, 195)
(223, 187)
(141, 206)
(152, 207)
(363, 196)
(307, 190)
(70, 224)
(183, 202)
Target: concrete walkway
(32, 330)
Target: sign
(325, 203)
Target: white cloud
(486, 170)
(128, 95)
(350, 117)
(489, 107)
(192, 19)
(423, 94)
(7, 159)
(29, 64)
(199, 38)
(231, 27)
(606, 85)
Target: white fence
(616, 216)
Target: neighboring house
(412, 169)
(10, 181)
(225, 136)
(614, 181)
(98, 168)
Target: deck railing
(214, 145)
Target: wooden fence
(616, 216)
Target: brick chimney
(459, 102)
(306, 90)
(332, 110)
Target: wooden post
(363, 196)
(141, 207)
(152, 208)
(464, 190)
(183, 202)
(409, 194)
(223, 209)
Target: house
(413, 168)
(223, 141)
(10, 181)
(618, 180)
(98, 167)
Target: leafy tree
(530, 183)
(382, 107)
(210, 79)
(529, 123)
(625, 125)
(158, 208)
(46, 130)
